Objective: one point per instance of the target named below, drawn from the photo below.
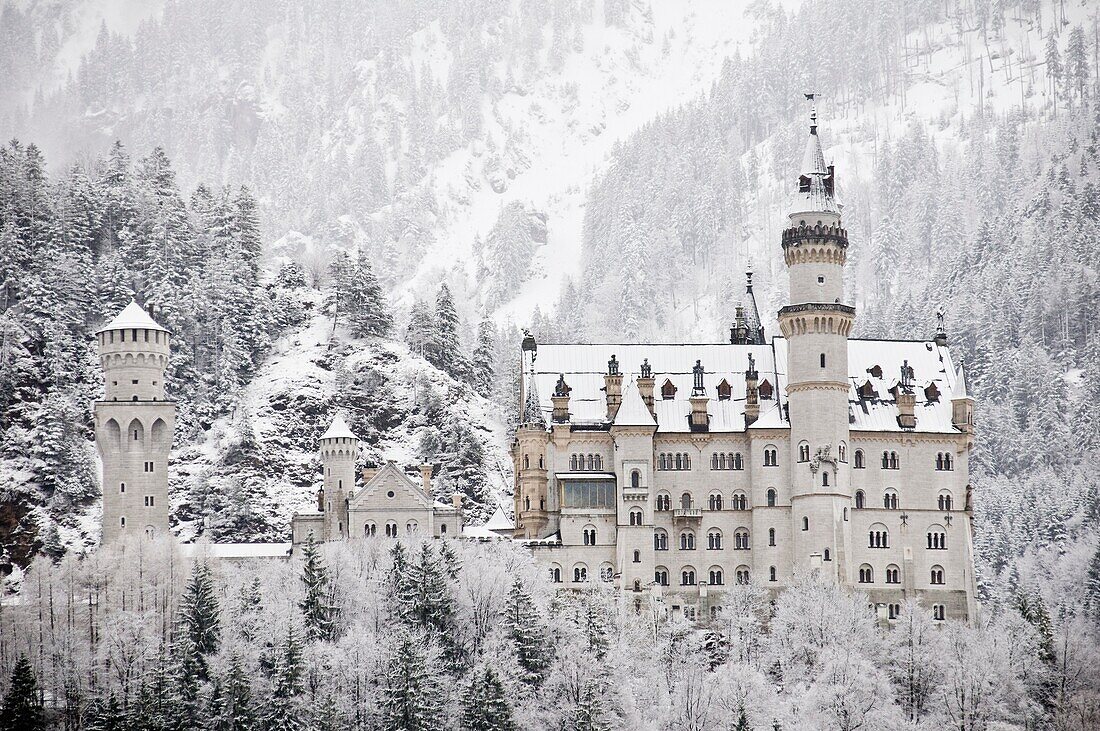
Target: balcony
(687, 514)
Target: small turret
(962, 405)
(906, 398)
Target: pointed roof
(815, 184)
(532, 411)
(752, 313)
(132, 316)
(338, 429)
(633, 411)
(499, 521)
(960, 391)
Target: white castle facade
(665, 470)
(684, 469)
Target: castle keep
(680, 470)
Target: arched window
(714, 540)
(664, 502)
(771, 497)
(635, 516)
(937, 538)
(687, 462)
(893, 574)
(715, 575)
(714, 502)
(580, 574)
(948, 461)
(860, 464)
(866, 574)
(687, 541)
(555, 574)
(890, 499)
(607, 572)
(637, 585)
(822, 360)
(635, 479)
(804, 452)
(637, 556)
(391, 530)
(591, 463)
(527, 502)
(738, 461)
(370, 529)
(679, 461)
(741, 539)
(771, 536)
(859, 499)
(938, 612)
(714, 462)
(805, 523)
(878, 536)
(842, 452)
(742, 574)
(939, 460)
(442, 529)
(893, 460)
(945, 502)
(589, 535)
(885, 460)
(771, 457)
(687, 576)
(660, 576)
(573, 463)
(660, 540)
(772, 574)
(686, 501)
(894, 611)
(937, 575)
(824, 478)
(740, 501)
(827, 556)
(661, 461)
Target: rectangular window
(150, 501)
(134, 381)
(588, 493)
(122, 487)
(148, 466)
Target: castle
(749, 461)
(673, 471)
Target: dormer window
(932, 393)
(765, 390)
(875, 371)
(867, 390)
(724, 390)
(668, 390)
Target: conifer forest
(358, 207)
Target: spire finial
(811, 97)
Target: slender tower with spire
(530, 455)
(816, 325)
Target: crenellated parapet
(817, 318)
(817, 244)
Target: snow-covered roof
(235, 551)
(632, 410)
(817, 197)
(960, 390)
(752, 313)
(338, 429)
(584, 367)
(132, 316)
(500, 521)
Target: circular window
(389, 494)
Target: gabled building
(683, 469)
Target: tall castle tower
(134, 425)
(816, 325)
(339, 448)
(530, 454)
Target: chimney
(699, 419)
(906, 399)
(561, 401)
(456, 500)
(368, 474)
(646, 383)
(613, 387)
(426, 478)
(739, 333)
(752, 392)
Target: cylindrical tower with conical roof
(134, 424)
(816, 325)
(339, 450)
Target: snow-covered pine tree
(235, 711)
(318, 610)
(200, 613)
(285, 709)
(485, 707)
(448, 337)
(483, 367)
(368, 312)
(420, 335)
(524, 625)
(22, 709)
(411, 691)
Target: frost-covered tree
(486, 707)
(318, 609)
(22, 708)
